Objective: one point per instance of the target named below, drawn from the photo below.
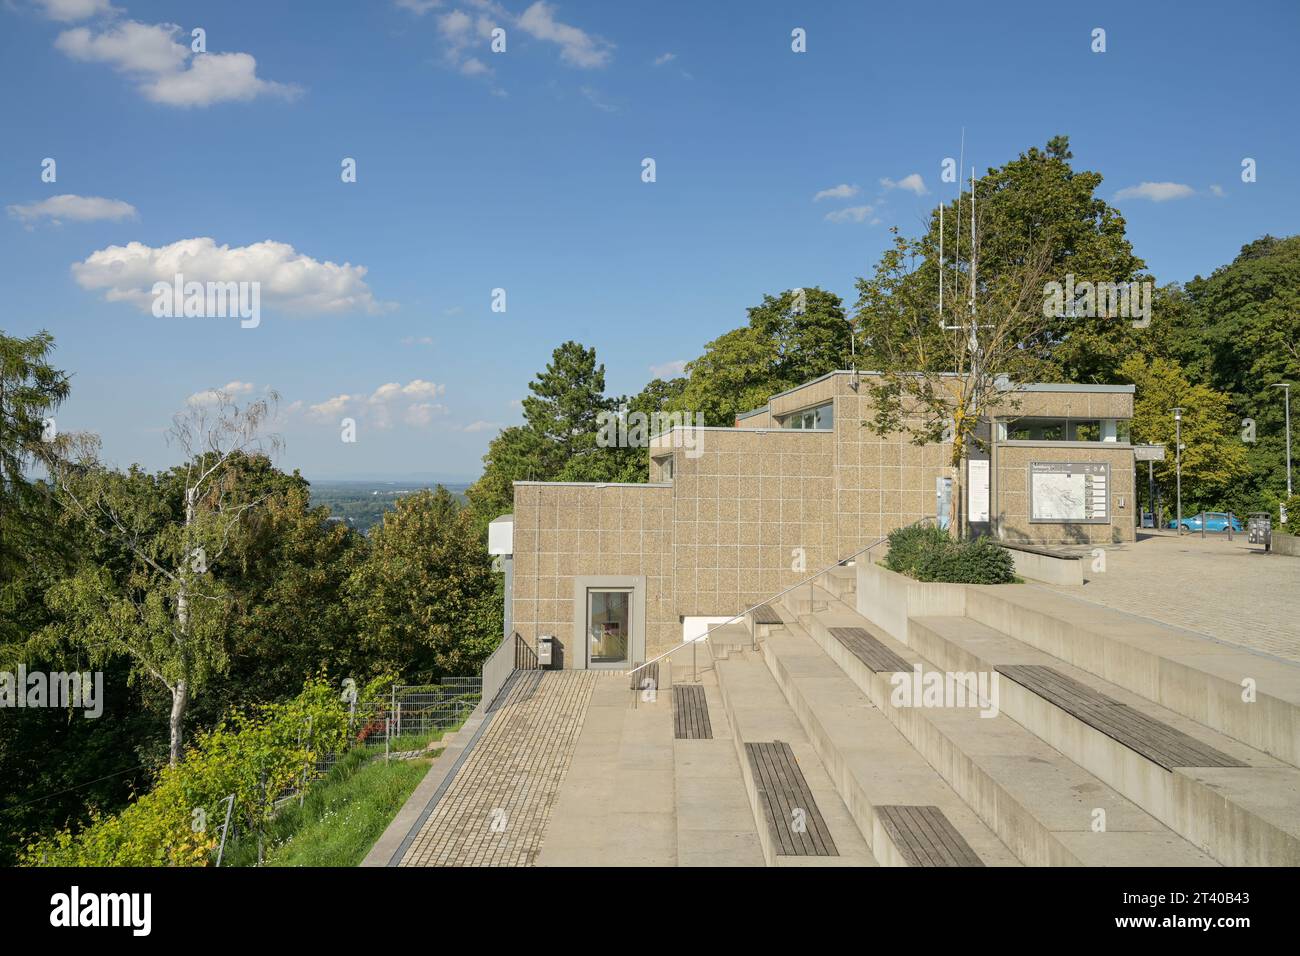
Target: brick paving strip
(494, 812)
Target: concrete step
(730, 637)
(870, 762)
(756, 711)
(715, 825)
(1241, 816)
(1045, 808)
(1203, 679)
(842, 582)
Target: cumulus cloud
(669, 369)
(577, 47)
(842, 191)
(1217, 190)
(209, 396)
(69, 11)
(418, 7)
(1156, 192)
(665, 58)
(482, 426)
(410, 402)
(912, 183)
(289, 279)
(165, 70)
(850, 214)
(70, 208)
(418, 340)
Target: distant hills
(363, 503)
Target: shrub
(928, 554)
(909, 546)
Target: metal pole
(1178, 466)
(1151, 491)
(225, 827)
(1202, 525)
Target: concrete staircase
(1041, 779)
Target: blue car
(1214, 521)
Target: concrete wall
(1286, 544)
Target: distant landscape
(363, 503)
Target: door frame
(636, 618)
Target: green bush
(928, 554)
(909, 546)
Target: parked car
(1214, 521)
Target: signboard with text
(1069, 492)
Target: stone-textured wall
(564, 530)
(741, 509)
(1012, 503)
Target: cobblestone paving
(1227, 590)
(494, 813)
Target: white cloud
(577, 47)
(418, 340)
(1156, 192)
(481, 426)
(1217, 190)
(165, 70)
(423, 413)
(68, 207)
(850, 214)
(210, 395)
(331, 408)
(69, 11)
(669, 369)
(665, 58)
(289, 279)
(842, 191)
(912, 182)
(416, 388)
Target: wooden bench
(793, 819)
(691, 713)
(878, 657)
(925, 837)
(766, 614)
(1153, 739)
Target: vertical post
(225, 827)
(1151, 491)
(1178, 465)
(388, 737)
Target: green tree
(789, 339)
(1214, 457)
(425, 598)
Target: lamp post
(1286, 386)
(1178, 466)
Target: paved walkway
(1228, 590)
(495, 810)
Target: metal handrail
(808, 580)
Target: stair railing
(779, 594)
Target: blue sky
(522, 170)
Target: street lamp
(1178, 466)
(1286, 386)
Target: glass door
(608, 626)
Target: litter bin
(1259, 529)
(545, 651)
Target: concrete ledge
(1287, 544)
(887, 599)
(1050, 567)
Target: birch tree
(161, 603)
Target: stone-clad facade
(737, 514)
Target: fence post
(225, 827)
(388, 737)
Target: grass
(342, 815)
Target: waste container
(1259, 529)
(545, 655)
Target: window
(822, 416)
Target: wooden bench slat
(869, 650)
(1160, 743)
(925, 837)
(782, 789)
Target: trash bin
(1259, 529)
(545, 648)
